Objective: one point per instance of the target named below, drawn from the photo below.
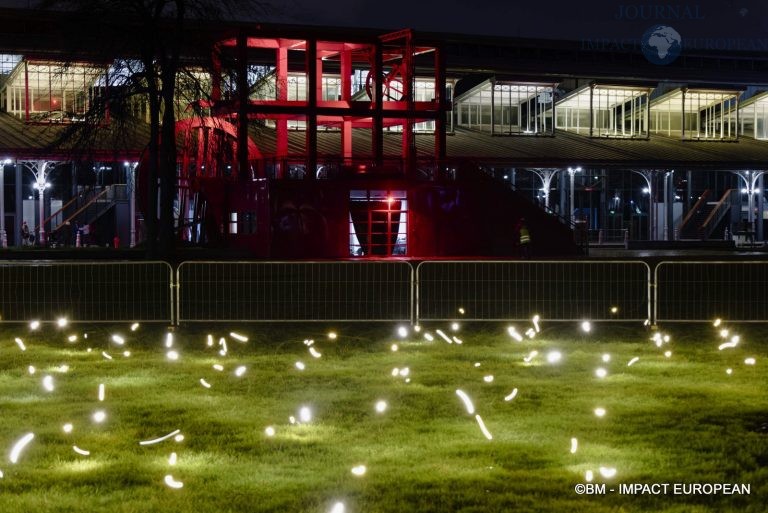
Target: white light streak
(668, 354)
(607, 472)
(314, 352)
(80, 451)
(394, 348)
(404, 371)
(240, 371)
(338, 508)
(606, 358)
(172, 483)
(308, 342)
(402, 331)
(99, 416)
(20, 343)
(238, 336)
(488, 378)
(1, 474)
(305, 414)
(429, 337)
(444, 336)
(34, 325)
(172, 459)
(554, 356)
(461, 311)
(600, 412)
(381, 406)
(359, 470)
(574, 445)
(533, 354)
(292, 419)
(269, 431)
(168, 340)
(209, 341)
(589, 476)
(633, 361)
(530, 333)
(218, 367)
(728, 345)
(586, 326)
(101, 391)
(750, 361)
(457, 340)
(160, 439)
(332, 335)
(717, 323)
(514, 334)
(62, 322)
(48, 383)
(395, 372)
(417, 328)
(477, 364)
(484, 429)
(601, 373)
(31, 369)
(134, 326)
(117, 339)
(106, 355)
(300, 366)
(467, 401)
(172, 355)
(535, 321)
(511, 395)
(19, 446)
(455, 326)
(72, 338)
(205, 383)
(67, 428)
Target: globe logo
(661, 44)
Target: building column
(760, 236)
(669, 204)
(19, 206)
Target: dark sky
(576, 20)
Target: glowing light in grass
(488, 378)
(338, 508)
(533, 354)
(511, 395)
(729, 371)
(67, 428)
(20, 343)
(172, 355)
(292, 419)
(209, 340)
(535, 321)
(601, 373)
(31, 369)
(62, 322)
(607, 472)
(405, 371)
(359, 470)
(1, 474)
(178, 438)
(101, 391)
(99, 416)
(461, 311)
(218, 367)
(484, 429)
(444, 336)
(666, 339)
(240, 371)
(300, 366)
(33, 325)
(586, 326)
(106, 355)
(205, 383)
(574, 445)
(633, 361)
(134, 326)
(80, 451)
(530, 333)
(614, 309)
(457, 340)
(467, 401)
(19, 446)
(169, 340)
(269, 431)
(161, 438)
(305, 414)
(394, 348)
(600, 412)
(407, 380)
(417, 328)
(172, 459)
(48, 383)
(72, 338)
(477, 364)
(395, 372)
(717, 323)
(172, 483)
(455, 326)
(126, 354)
(429, 337)
(117, 339)
(62, 368)
(381, 406)
(728, 345)
(589, 476)
(314, 352)
(647, 322)
(554, 356)
(402, 331)
(724, 333)
(668, 354)
(514, 334)
(332, 335)
(238, 336)
(606, 358)
(750, 361)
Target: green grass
(669, 420)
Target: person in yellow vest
(524, 238)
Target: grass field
(668, 419)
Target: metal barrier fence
(703, 291)
(294, 291)
(516, 290)
(86, 291)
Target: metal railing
(516, 290)
(703, 291)
(86, 291)
(294, 291)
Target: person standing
(524, 238)
(25, 239)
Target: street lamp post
(131, 168)
(3, 235)
(572, 206)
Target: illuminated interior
(616, 111)
(753, 117)
(378, 223)
(695, 114)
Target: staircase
(85, 208)
(704, 217)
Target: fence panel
(556, 290)
(294, 291)
(86, 291)
(703, 291)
